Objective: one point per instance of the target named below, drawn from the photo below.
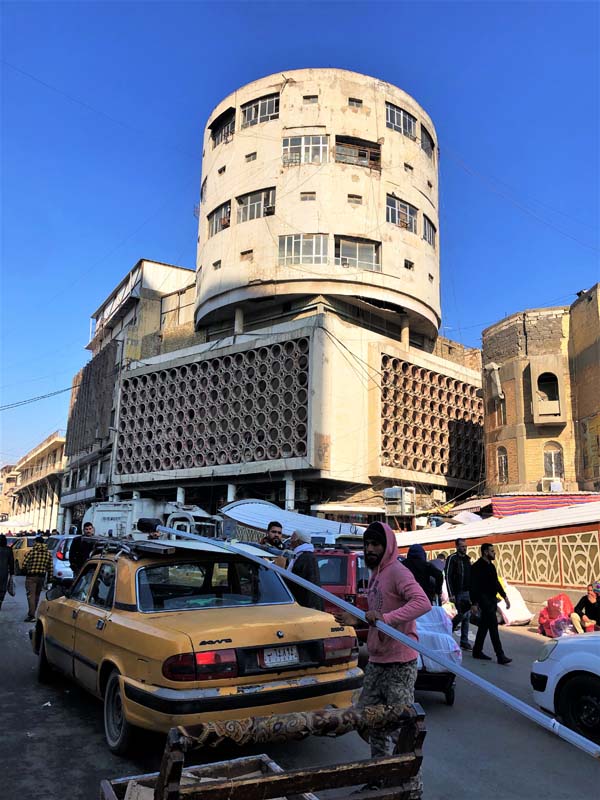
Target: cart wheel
(449, 695)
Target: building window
(400, 120)
(256, 204)
(427, 143)
(250, 156)
(176, 309)
(429, 231)
(224, 128)
(354, 102)
(93, 473)
(303, 248)
(356, 199)
(401, 213)
(310, 98)
(247, 255)
(500, 404)
(408, 167)
(203, 191)
(547, 385)
(553, 461)
(359, 253)
(219, 219)
(409, 264)
(261, 110)
(305, 150)
(502, 458)
(308, 195)
(217, 264)
(349, 150)
(221, 170)
(431, 278)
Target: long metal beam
(509, 700)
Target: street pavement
(52, 741)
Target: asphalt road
(52, 742)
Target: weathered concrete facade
(8, 482)
(542, 395)
(36, 497)
(145, 304)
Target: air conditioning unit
(269, 211)
(552, 485)
(344, 262)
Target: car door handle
(100, 624)
(74, 612)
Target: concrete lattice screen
(430, 422)
(245, 407)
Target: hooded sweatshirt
(395, 593)
(429, 578)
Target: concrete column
(231, 487)
(290, 492)
(238, 325)
(68, 519)
(404, 331)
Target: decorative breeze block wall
(245, 407)
(430, 423)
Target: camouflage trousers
(391, 685)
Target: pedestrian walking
(395, 597)
(304, 564)
(37, 567)
(7, 567)
(458, 580)
(586, 615)
(82, 548)
(274, 535)
(485, 587)
(429, 578)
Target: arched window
(553, 460)
(547, 385)
(502, 461)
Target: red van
(343, 572)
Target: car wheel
(44, 670)
(117, 730)
(579, 705)
(449, 695)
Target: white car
(566, 682)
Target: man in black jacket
(81, 548)
(458, 580)
(484, 588)
(304, 564)
(429, 578)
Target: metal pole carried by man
(395, 597)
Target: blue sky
(103, 108)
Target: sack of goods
(518, 613)
(434, 630)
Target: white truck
(120, 518)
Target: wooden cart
(260, 778)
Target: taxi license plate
(280, 656)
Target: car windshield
(53, 543)
(218, 582)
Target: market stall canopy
(258, 513)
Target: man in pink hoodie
(395, 597)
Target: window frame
(224, 133)
(297, 241)
(349, 242)
(87, 569)
(253, 204)
(406, 214)
(357, 152)
(407, 124)
(502, 464)
(429, 231)
(102, 565)
(216, 216)
(553, 453)
(305, 146)
(426, 137)
(257, 111)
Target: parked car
(343, 573)
(20, 549)
(169, 634)
(566, 682)
(59, 547)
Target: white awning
(258, 513)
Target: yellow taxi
(20, 548)
(174, 635)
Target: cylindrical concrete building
(320, 182)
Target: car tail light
(215, 664)
(60, 555)
(340, 649)
(180, 668)
(211, 665)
